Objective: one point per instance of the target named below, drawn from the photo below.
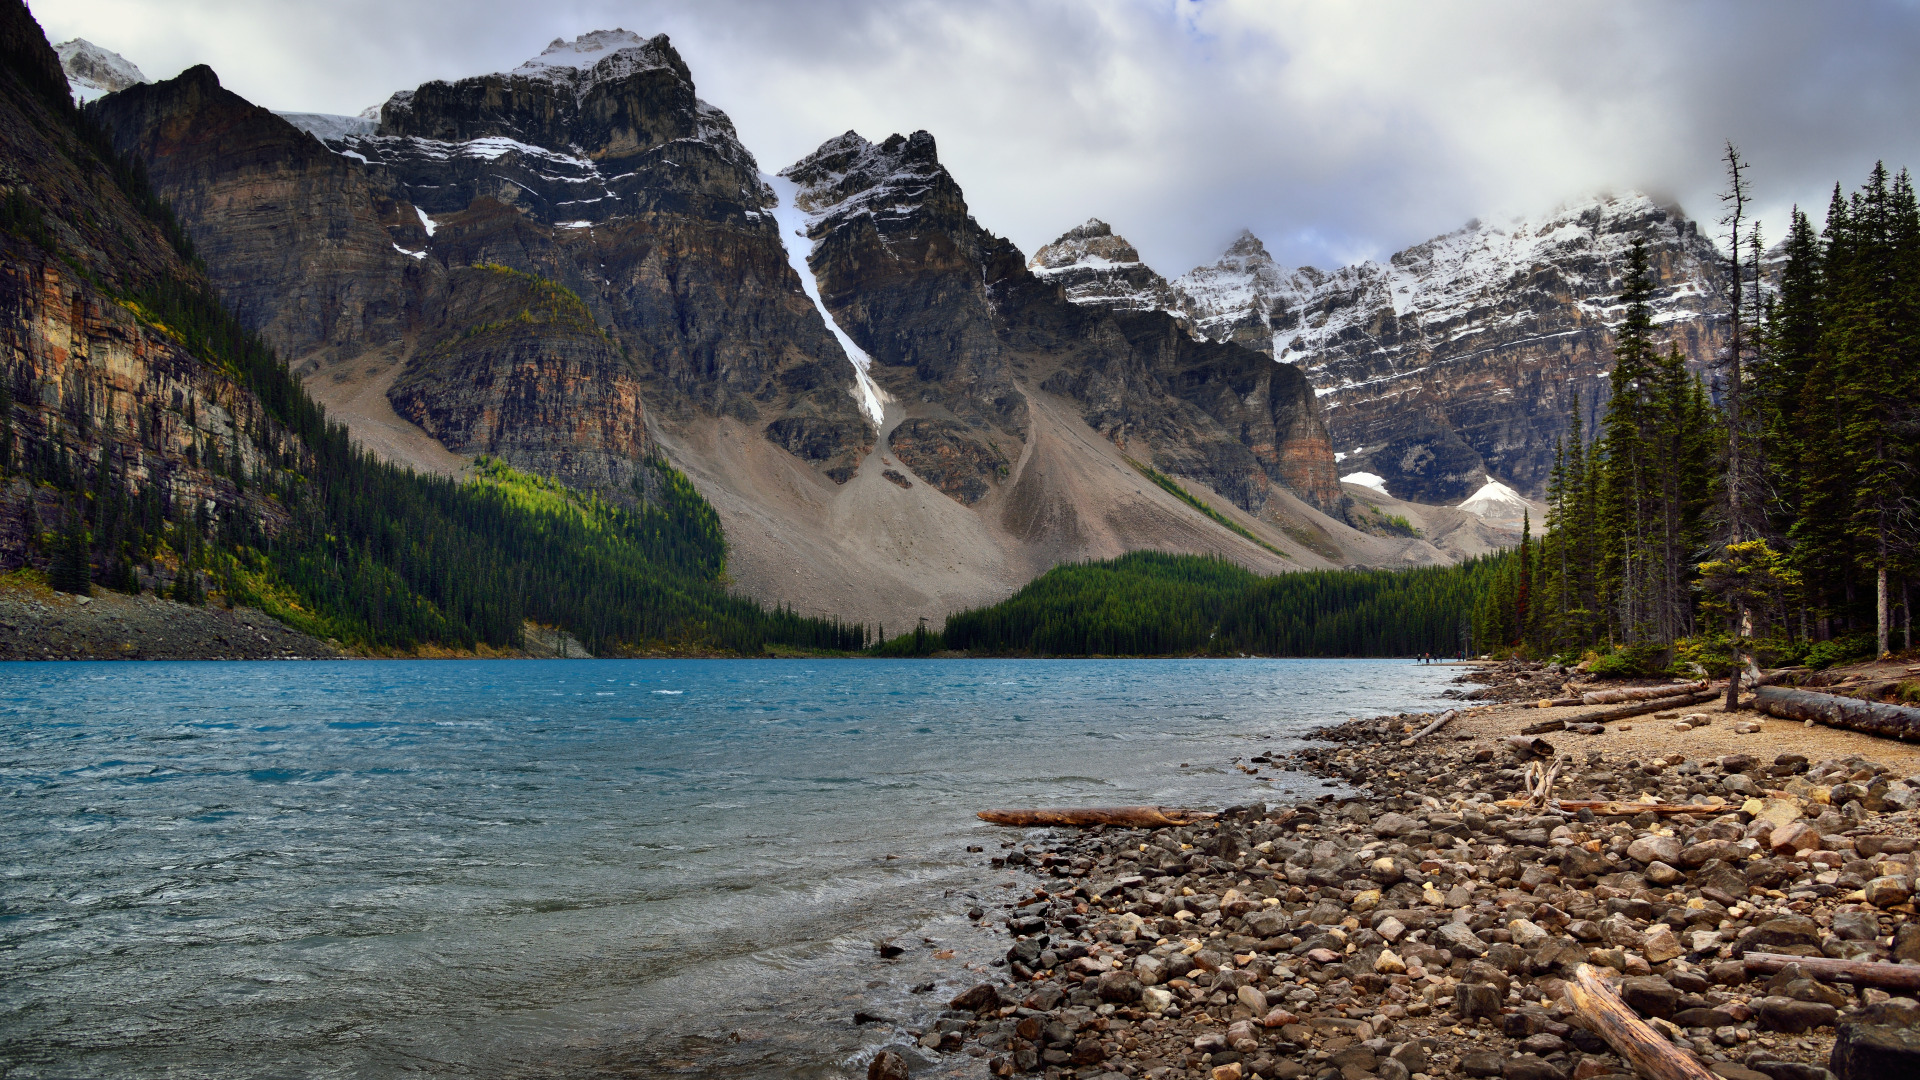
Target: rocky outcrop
(1093, 266)
(1472, 344)
(295, 236)
(945, 454)
(516, 368)
(927, 291)
(594, 166)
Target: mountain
(1457, 360)
(576, 264)
(1093, 266)
(151, 442)
(93, 72)
(612, 181)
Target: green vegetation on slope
(376, 555)
(1172, 487)
(1152, 604)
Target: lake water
(546, 868)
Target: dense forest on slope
(1778, 514)
(1153, 604)
(317, 530)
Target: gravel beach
(1420, 921)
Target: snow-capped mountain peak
(601, 56)
(94, 72)
(1495, 501)
(1094, 266)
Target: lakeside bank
(1409, 925)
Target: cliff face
(597, 166)
(516, 368)
(594, 166)
(293, 234)
(922, 287)
(903, 268)
(1459, 358)
(103, 399)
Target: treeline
(1154, 604)
(375, 555)
(1778, 513)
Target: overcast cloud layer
(1336, 132)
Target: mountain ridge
(1014, 418)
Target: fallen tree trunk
(1640, 693)
(1528, 749)
(1872, 717)
(1602, 1012)
(1131, 817)
(1638, 708)
(1825, 969)
(1608, 808)
(1445, 719)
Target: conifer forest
(1766, 508)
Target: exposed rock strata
(946, 455)
(294, 236)
(922, 287)
(1487, 332)
(102, 396)
(516, 368)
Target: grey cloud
(1335, 132)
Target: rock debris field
(37, 623)
(1422, 930)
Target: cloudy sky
(1335, 131)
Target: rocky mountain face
(594, 167)
(94, 72)
(921, 286)
(516, 368)
(1093, 266)
(576, 264)
(1459, 359)
(98, 395)
(299, 240)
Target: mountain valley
(576, 267)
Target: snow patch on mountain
(1367, 480)
(597, 57)
(1438, 285)
(1095, 267)
(1496, 501)
(795, 224)
(94, 72)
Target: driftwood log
(1443, 720)
(1608, 808)
(1601, 1011)
(1826, 969)
(1640, 693)
(1131, 817)
(1872, 717)
(1527, 749)
(1638, 708)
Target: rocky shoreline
(1420, 921)
(37, 623)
